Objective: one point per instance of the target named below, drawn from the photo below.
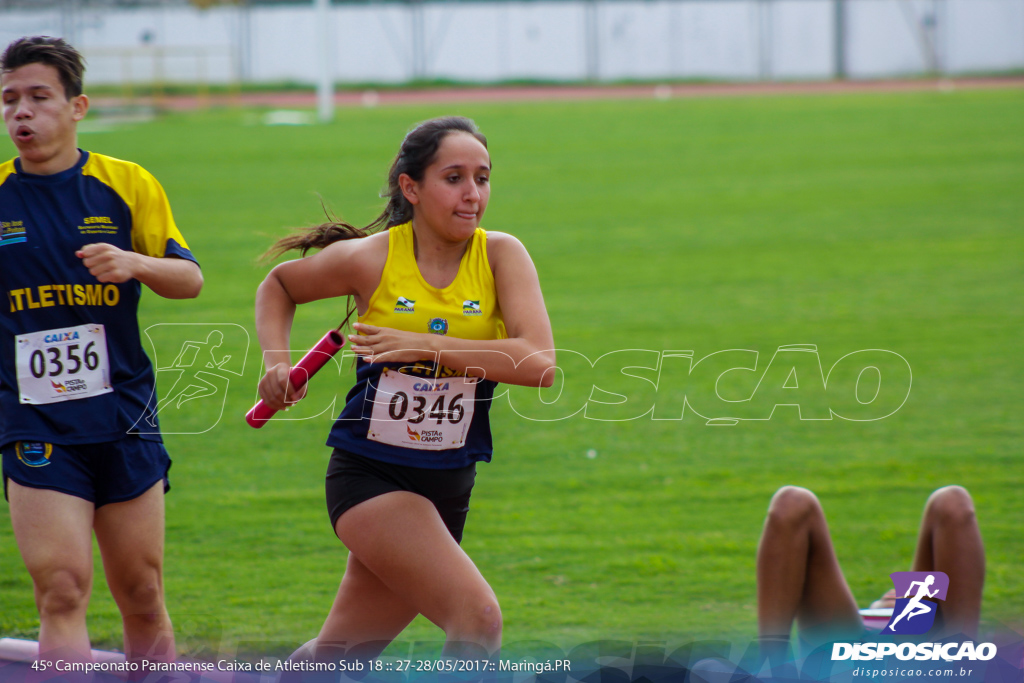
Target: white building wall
(373, 43)
(884, 38)
(636, 40)
(984, 35)
(461, 41)
(174, 44)
(565, 40)
(283, 44)
(802, 39)
(718, 40)
(544, 40)
(17, 23)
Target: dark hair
(418, 151)
(54, 52)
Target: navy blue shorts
(101, 473)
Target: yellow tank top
(466, 309)
(419, 414)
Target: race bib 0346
(422, 413)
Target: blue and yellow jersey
(50, 295)
(423, 414)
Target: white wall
(802, 39)
(884, 39)
(566, 40)
(17, 23)
(984, 35)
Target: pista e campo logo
(914, 612)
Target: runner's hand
(277, 391)
(388, 345)
(107, 263)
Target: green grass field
(889, 221)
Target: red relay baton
(314, 359)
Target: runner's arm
(169, 277)
(340, 269)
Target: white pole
(325, 71)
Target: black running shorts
(353, 479)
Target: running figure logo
(199, 375)
(913, 615)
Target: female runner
(446, 310)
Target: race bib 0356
(63, 364)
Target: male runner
(79, 234)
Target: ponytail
(316, 237)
